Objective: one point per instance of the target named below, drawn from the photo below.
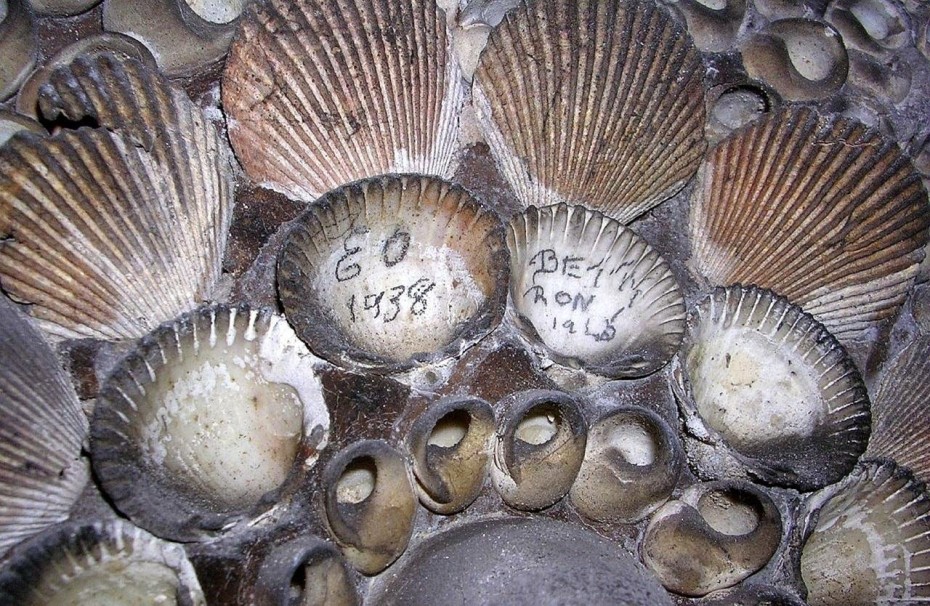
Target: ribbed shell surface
(320, 93)
(901, 410)
(591, 102)
(820, 210)
(42, 429)
(112, 230)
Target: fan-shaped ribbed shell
(113, 230)
(594, 292)
(110, 562)
(779, 390)
(592, 102)
(322, 93)
(820, 210)
(869, 540)
(901, 410)
(42, 429)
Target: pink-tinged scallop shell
(42, 431)
(820, 210)
(390, 272)
(321, 93)
(110, 231)
(900, 423)
(595, 293)
(592, 102)
(868, 539)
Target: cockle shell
(593, 292)
(394, 271)
(320, 93)
(205, 417)
(771, 383)
(42, 431)
(820, 210)
(110, 231)
(592, 102)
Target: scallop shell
(205, 417)
(712, 537)
(18, 46)
(110, 562)
(869, 540)
(42, 430)
(322, 93)
(393, 271)
(771, 383)
(593, 292)
(597, 103)
(113, 230)
(819, 209)
(900, 426)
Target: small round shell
(821, 210)
(109, 562)
(205, 417)
(872, 26)
(769, 382)
(18, 45)
(713, 25)
(869, 540)
(11, 123)
(42, 431)
(391, 272)
(62, 8)
(594, 292)
(322, 93)
(306, 571)
(592, 102)
(713, 537)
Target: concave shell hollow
(771, 383)
(205, 417)
(394, 271)
(594, 293)
(593, 102)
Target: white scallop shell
(112, 230)
(593, 291)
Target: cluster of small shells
(496, 301)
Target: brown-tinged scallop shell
(18, 45)
(450, 445)
(110, 562)
(869, 540)
(42, 431)
(900, 425)
(595, 293)
(112, 230)
(306, 571)
(802, 59)
(712, 537)
(631, 465)
(820, 210)
(206, 416)
(183, 35)
(62, 8)
(771, 384)
(322, 93)
(592, 102)
(370, 504)
(393, 271)
(540, 446)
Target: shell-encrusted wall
(467, 301)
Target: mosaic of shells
(382, 301)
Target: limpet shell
(593, 291)
(113, 230)
(110, 562)
(712, 537)
(592, 102)
(42, 431)
(18, 45)
(771, 383)
(391, 272)
(205, 417)
(307, 571)
(821, 210)
(868, 539)
(322, 93)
